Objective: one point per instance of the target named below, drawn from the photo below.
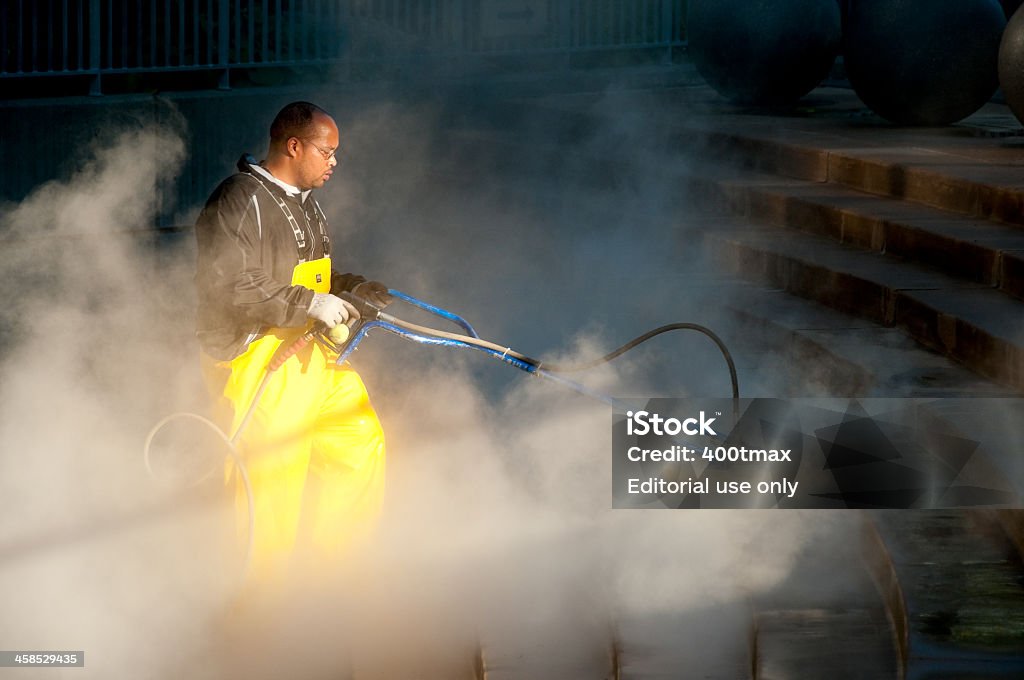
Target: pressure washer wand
(373, 317)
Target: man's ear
(291, 146)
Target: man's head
(303, 142)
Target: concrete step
(824, 644)
(975, 325)
(974, 249)
(712, 643)
(959, 607)
(844, 355)
(827, 619)
(1012, 522)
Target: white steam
(498, 526)
(96, 349)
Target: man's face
(316, 159)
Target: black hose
(571, 368)
(564, 368)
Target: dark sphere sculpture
(1010, 6)
(923, 62)
(764, 52)
(1011, 64)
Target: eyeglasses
(328, 154)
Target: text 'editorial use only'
(817, 453)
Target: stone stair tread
(831, 644)
(743, 177)
(826, 619)
(796, 314)
(984, 308)
(826, 254)
(966, 162)
(530, 654)
(992, 235)
(937, 535)
(845, 199)
(658, 645)
(964, 593)
(820, 130)
(879, 361)
(975, 249)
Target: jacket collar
(248, 164)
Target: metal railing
(496, 26)
(98, 37)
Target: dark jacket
(247, 249)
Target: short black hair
(294, 120)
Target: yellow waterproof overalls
(314, 448)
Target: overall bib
(314, 448)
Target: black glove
(374, 292)
(341, 283)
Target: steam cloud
(497, 529)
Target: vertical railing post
(681, 23)
(563, 32)
(459, 36)
(346, 23)
(290, 28)
(153, 25)
(666, 28)
(224, 43)
(250, 42)
(95, 42)
(5, 44)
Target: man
(313, 448)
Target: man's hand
(374, 292)
(331, 309)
